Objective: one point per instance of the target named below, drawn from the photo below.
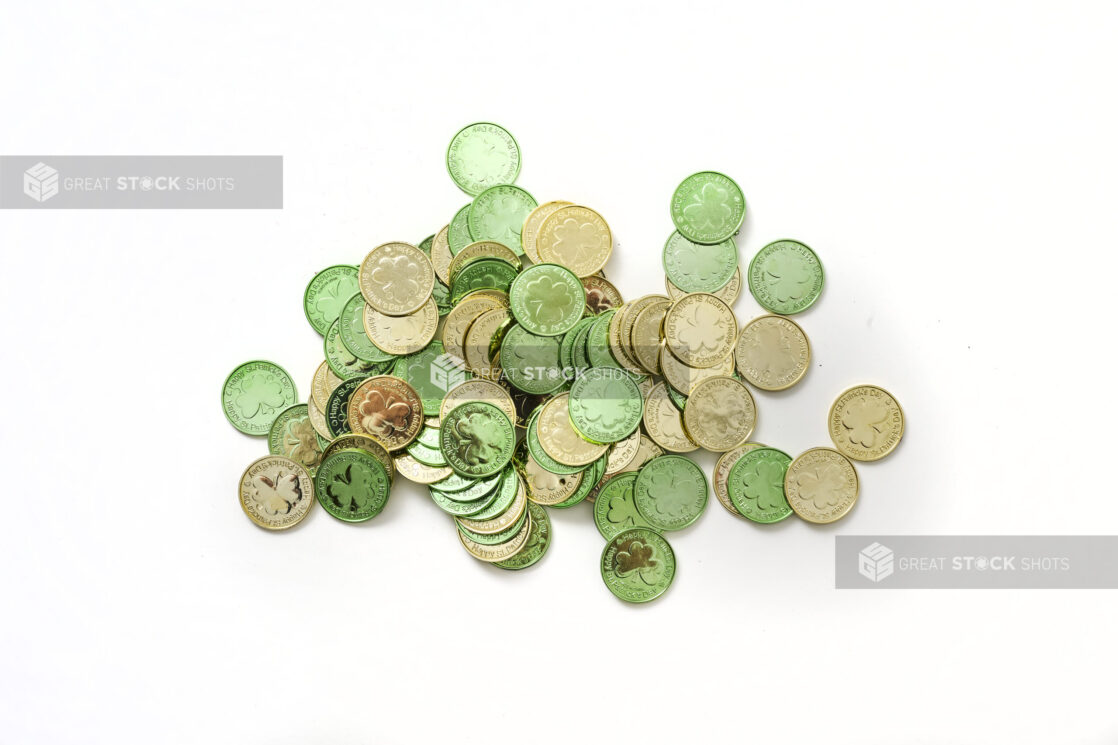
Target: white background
(952, 164)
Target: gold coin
(720, 414)
(369, 444)
(646, 334)
(547, 488)
(559, 438)
(441, 255)
(646, 451)
(483, 342)
(323, 384)
(601, 295)
(503, 521)
(388, 409)
(683, 378)
(576, 237)
(866, 423)
(531, 227)
(276, 492)
(500, 551)
(396, 278)
(479, 390)
(413, 470)
(318, 419)
(481, 250)
(664, 422)
(459, 319)
(621, 453)
(700, 330)
(727, 293)
(772, 352)
(402, 334)
(617, 347)
(433, 422)
(722, 474)
(821, 485)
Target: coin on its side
(821, 485)
(406, 334)
(638, 565)
(531, 228)
(483, 342)
(276, 492)
(576, 237)
(396, 279)
(388, 409)
(700, 330)
(441, 255)
(664, 422)
(645, 334)
(772, 353)
(866, 423)
(318, 420)
(720, 414)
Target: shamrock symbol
(300, 442)
(709, 208)
(474, 446)
(330, 299)
(669, 493)
(351, 489)
(276, 495)
(542, 481)
(705, 262)
(504, 221)
(383, 414)
(821, 485)
(597, 301)
(487, 280)
(785, 279)
(402, 328)
(260, 393)
(765, 485)
(771, 348)
(576, 241)
(700, 330)
(622, 511)
(398, 277)
(549, 300)
(864, 420)
(636, 556)
(719, 416)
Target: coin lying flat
(605, 405)
(756, 485)
(638, 565)
(560, 439)
(772, 353)
(664, 422)
(352, 334)
(670, 492)
(396, 279)
(531, 363)
(403, 334)
(479, 390)
(369, 444)
(547, 299)
(292, 435)
(699, 267)
(483, 274)
(708, 207)
(352, 485)
(576, 237)
(477, 439)
(482, 155)
(337, 407)
(722, 473)
(720, 414)
(531, 228)
(388, 409)
(785, 277)
(728, 293)
(276, 492)
(420, 371)
(326, 293)
(498, 214)
(341, 361)
(821, 485)
(700, 330)
(545, 487)
(615, 509)
(254, 394)
(683, 378)
(866, 423)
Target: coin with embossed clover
(396, 279)
(720, 414)
(498, 214)
(866, 423)
(420, 371)
(483, 342)
(352, 334)
(561, 440)
(576, 237)
(670, 492)
(615, 508)
(254, 394)
(645, 333)
(388, 409)
(479, 390)
(369, 444)
(477, 439)
(785, 277)
(326, 294)
(721, 474)
(664, 422)
(459, 320)
(605, 405)
(458, 231)
(821, 485)
(756, 485)
(728, 293)
(638, 565)
(342, 362)
(400, 335)
(532, 441)
(700, 330)
(601, 295)
(547, 299)
(483, 274)
(337, 407)
(699, 267)
(482, 250)
(481, 155)
(708, 207)
(539, 539)
(275, 492)
(531, 227)
(292, 435)
(545, 487)
(772, 353)
(646, 451)
(352, 485)
(531, 362)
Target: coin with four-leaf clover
(638, 565)
(482, 155)
(670, 492)
(605, 405)
(498, 214)
(254, 394)
(396, 278)
(708, 207)
(547, 299)
(866, 423)
(326, 293)
(756, 485)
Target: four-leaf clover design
(719, 415)
(669, 492)
(351, 489)
(260, 393)
(398, 277)
(864, 420)
(276, 495)
(383, 414)
(636, 557)
(709, 208)
(822, 485)
(549, 300)
(765, 485)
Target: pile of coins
(495, 363)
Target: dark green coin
(293, 436)
(547, 299)
(615, 509)
(326, 294)
(708, 207)
(699, 267)
(477, 439)
(671, 492)
(597, 342)
(417, 369)
(344, 363)
(756, 485)
(254, 394)
(483, 274)
(351, 333)
(531, 363)
(786, 277)
(337, 407)
(458, 232)
(498, 214)
(638, 565)
(352, 485)
(425, 244)
(605, 405)
(539, 539)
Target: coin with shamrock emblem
(483, 274)
(700, 330)
(605, 405)
(756, 485)
(396, 279)
(576, 237)
(254, 394)
(326, 293)
(866, 423)
(388, 409)
(638, 565)
(547, 299)
(276, 492)
(482, 155)
(785, 277)
(615, 509)
(708, 207)
(531, 362)
(772, 353)
(532, 228)
(821, 485)
(293, 436)
(352, 485)
(720, 414)
(670, 492)
(477, 439)
(699, 267)
(498, 214)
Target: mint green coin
(547, 299)
(292, 435)
(539, 540)
(477, 439)
(615, 509)
(638, 565)
(428, 436)
(351, 332)
(605, 405)
(545, 461)
(483, 274)
(416, 369)
(530, 362)
(482, 155)
(326, 293)
(498, 214)
(567, 348)
(756, 485)
(458, 231)
(492, 539)
(352, 485)
(597, 342)
(671, 492)
(428, 456)
(342, 362)
(785, 277)
(590, 478)
(254, 394)
(509, 486)
(699, 267)
(425, 244)
(708, 207)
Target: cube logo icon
(447, 371)
(40, 182)
(875, 562)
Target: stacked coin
(494, 363)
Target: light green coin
(699, 267)
(530, 362)
(351, 332)
(498, 214)
(458, 231)
(605, 405)
(482, 155)
(254, 394)
(597, 342)
(341, 361)
(547, 299)
(326, 293)
(416, 369)
(708, 207)
(785, 277)
(615, 509)
(292, 435)
(756, 485)
(671, 492)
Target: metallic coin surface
(459, 320)
(428, 456)
(498, 214)
(646, 334)
(545, 487)
(502, 513)
(866, 423)
(276, 492)
(708, 207)
(590, 478)
(341, 361)
(353, 441)
(254, 394)
(620, 346)
(352, 485)
(531, 227)
(664, 422)
(532, 442)
(638, 565)
(576, 237)
(450, 503)
(646, 451)
(483, 274)
(318, 420)
(500, 551)
(615, 509)
(567, 348)
(483, 342)
(728, 293)
(756, 485)
(458, 232)
(785, 277)
(479, 390)
(539, 539)
(530, 362)
(482, 250)
(700, 330)
(699, 267)
(327, 293)
(292, 435)
(388, 409)
(597, 341)
(490, 539)
(323, 384)
(722, 468)
(605, 405)
(560, 439)
(351, 332)
(821, 485)
(441, 255)
(482, 155)
(477, 439)
(477, 489)
(403, 334)
(601, 295)
(396, 279)
(622, 453)
(720, 414)
(670, 492)
(772, 353)
(547, 299)
(683, 378)
(337, 407)
(421, 372)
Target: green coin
(351, 332)
(545, 461)
(498, 214)
(605, 405)
(708, 207)
(337, 407)
(530, 362)
(254, 394)
(638, 565)
(482, 155)
(597, 342)
(425, 245)
(510, 484)
(293, 436)
(477, 439)
(483, 274)
(471, 508)
(615, 508)
(326, 294)
(539, 539)
(547, 299)
(478, 488)
(417, 369)
(453, 483)
(567, 349)
(785, 277)
(351, 485)
(342, 362)
(426, 455)
(579, 355)
(671, 492)
(429, 436)
(699, 267)
(458, 231)
(590, 478)
(491, 539)
(440, 293)
(756, 485)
